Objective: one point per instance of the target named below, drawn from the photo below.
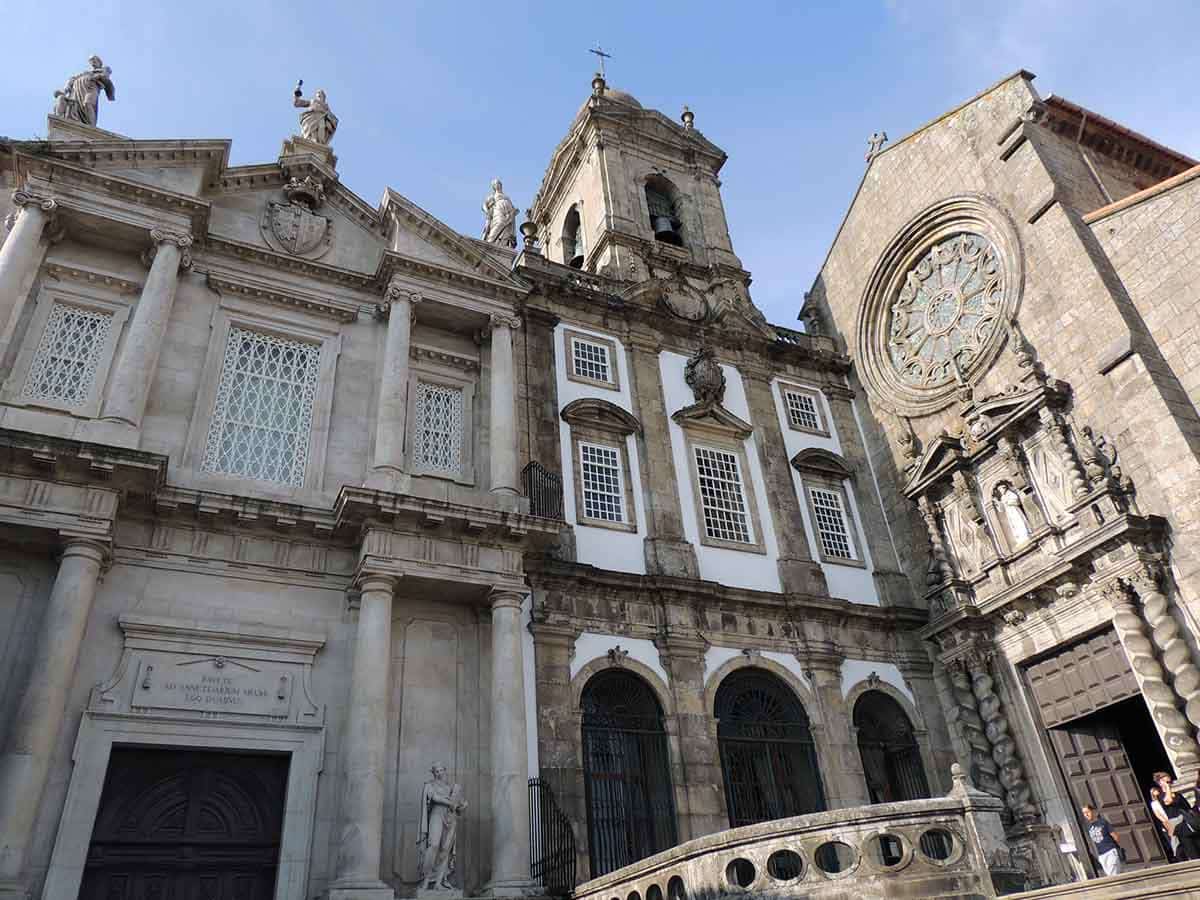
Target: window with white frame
(600, 473)
(262, 418)
(438, 428)
(722, 497)
(833, 529)
(67, 356)
(589, 360)
(802, 407)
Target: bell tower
(629, 193)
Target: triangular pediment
(942, 454)
(712, 419)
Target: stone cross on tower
(599, 51)
(875, 144)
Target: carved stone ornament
(704, 376)
(293, 226)
(308, 192)
(685, 303)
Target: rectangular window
(262, 417)
(438, 429)
(831, 523)
(603, 495)
(590, 360)
(65, 362)
(721, 496)
(802, 410)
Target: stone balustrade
(947, 847)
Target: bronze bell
(666, 229)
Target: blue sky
(435, 99)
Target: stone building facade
(303, 496)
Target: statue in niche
(317, 122)
(79, 100)
(1008, 501)
(441, 805)
(499, 217)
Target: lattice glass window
(590, 360)
(721, 496)
(438, 429)
(802, 410)
(64, 364)
(831, 523)
(600, 470)
(262, 418)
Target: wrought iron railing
(551, 841)
(544, 490)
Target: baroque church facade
(345, 555)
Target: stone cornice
(309, 269)
(212, 155)
(80, 462)
(243, 286)
(393, 262)
(64, 272)
(361, 506)
(444, 358)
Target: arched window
(573, 239)
(664, 211)
(891, 758)
(627, 777)
(767, 751)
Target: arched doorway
(183, 823)
(891, 759)
(627, 776)
(768, 756)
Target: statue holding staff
(441, 805)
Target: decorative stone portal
(229, 713)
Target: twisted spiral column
(1165, 632)
(1058, 435)
(1004, 748)
(941, 569)
(983, 767)
(1174, 729)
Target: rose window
(948, 308)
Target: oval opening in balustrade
(885, 851)
(740, 873)
(939, 846)
(785, 865)
(654, 892)
(675, 889)
(835, 857)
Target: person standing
(1105, 840)
(1181, 820)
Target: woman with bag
(1181, 820)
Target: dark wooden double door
(187, 825)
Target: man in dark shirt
(1108, 844)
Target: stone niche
(196, 685)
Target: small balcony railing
(544, 490)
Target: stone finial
(79, 100)
(875, 144)
(688, 118)
(529, 234)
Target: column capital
(374, 581)
(22, 198)
(397, 292)
(74, 545)
(499, 320)
(160, 236)
(507, 598)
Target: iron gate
(551, 841)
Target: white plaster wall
(591, 645)
(845, 582)
(620, 551)
(715, 657)
(855, 670)
(736, 568)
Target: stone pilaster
(21, 256)
(798, 573)
(364, 747)
(510, 762)
(919, 677)
(503, 448)
(388, 471)
(134, 370)
(668, 551)
(699, 757)
(1178, 737)
(837, 749)
(38, 722)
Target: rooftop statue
(317, 122)
(499, 217)
(79, 100)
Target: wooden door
(187, 825)
(1098, 772)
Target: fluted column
(38, 723)
(510, 760)
(504, 409)
(135, 368)
(21, 257)
(1174, 729)
(391, 426)
(364, 747)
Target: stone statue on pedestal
(79, 100)
(317, 122)
(499, 217)
(441, 804)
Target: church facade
(342, 554)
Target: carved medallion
(296, 229)
(685, 304)
(704, 376)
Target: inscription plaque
(213, 685)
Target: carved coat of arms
(294, 226)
